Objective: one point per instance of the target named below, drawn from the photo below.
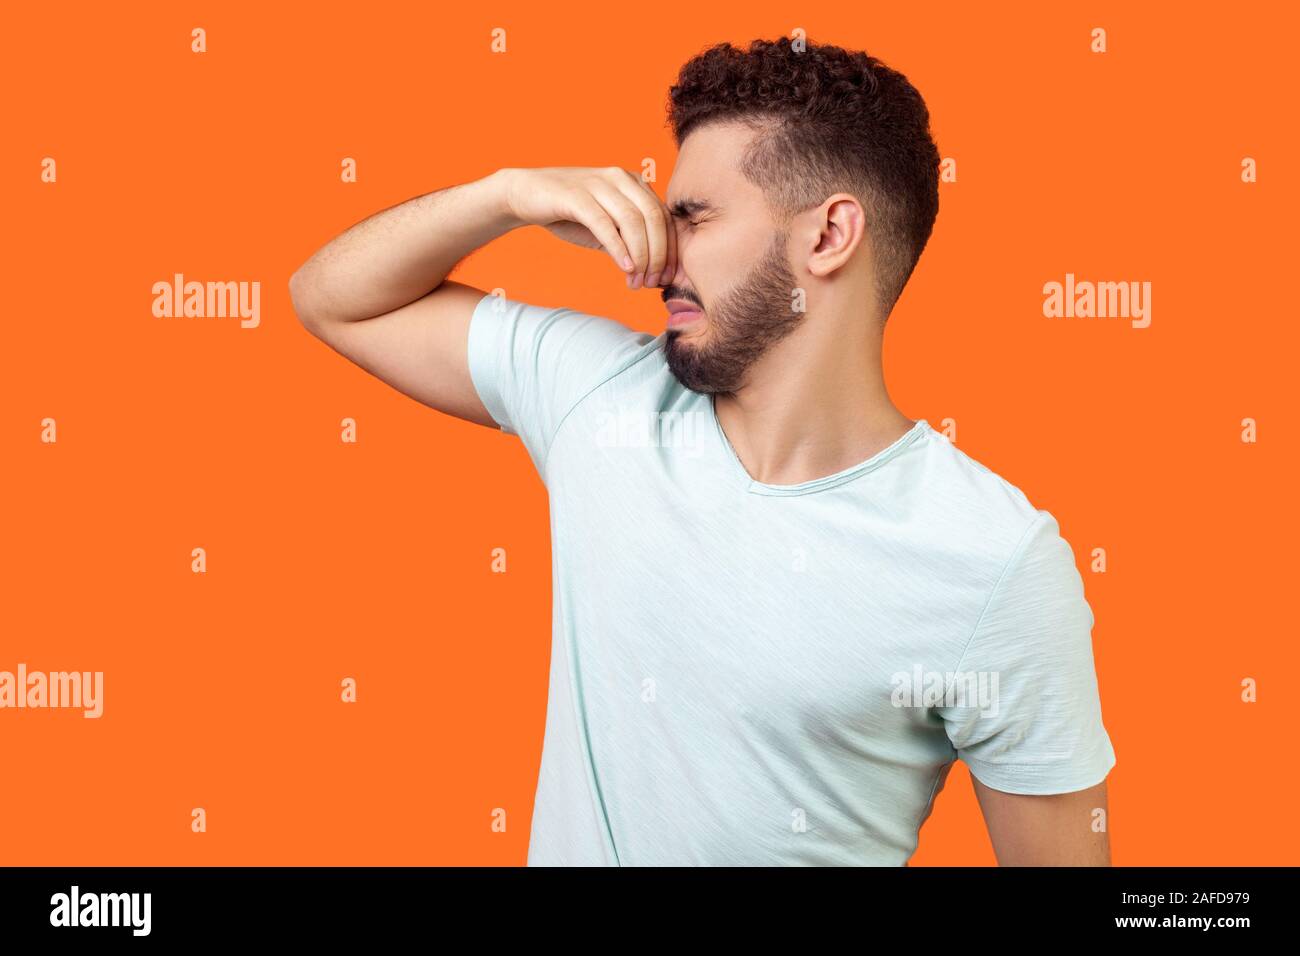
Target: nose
(676, 276)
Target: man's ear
(835, 230)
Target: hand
(600, 208)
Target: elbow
(300, 297)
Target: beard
(744, 323)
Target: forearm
(402, 253)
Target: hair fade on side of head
(831, 120)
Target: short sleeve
(532, 364)
(1037, 728)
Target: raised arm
(378, 293)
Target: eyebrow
(685, 208)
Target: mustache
(675, 292)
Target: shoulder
(970, 507)
(544, 358)
(595, 339)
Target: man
(782, 608)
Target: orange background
(328, 560)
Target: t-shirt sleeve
(1038, 729)
(532, 364)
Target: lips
(681, 312)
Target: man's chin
(685, 364)
(684, 343)
(691, 331)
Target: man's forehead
(706, 176)
(690, 194)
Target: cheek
(715, 256)
(704, 265)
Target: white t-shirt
(754, 674)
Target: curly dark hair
(833, 120)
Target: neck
(812, 406)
